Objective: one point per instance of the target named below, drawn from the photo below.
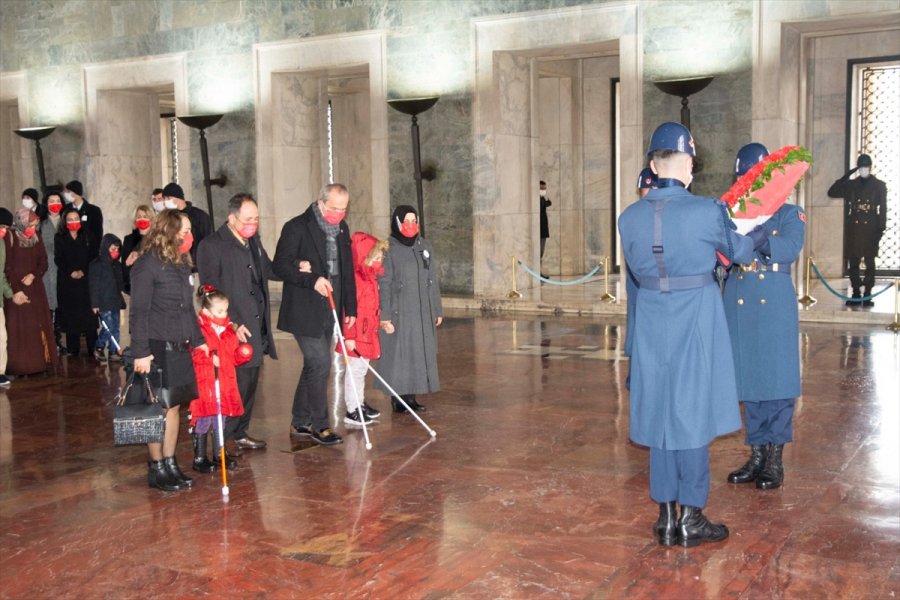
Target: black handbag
(138, 417)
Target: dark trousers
(247, 380)
(543, 246)
(769, 422)
(681, 475)
(311, 397)
(73, 340)
(868, 280)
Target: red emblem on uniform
(802, 215)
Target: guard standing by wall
(865, 219)
(761, 308)
(683, 391)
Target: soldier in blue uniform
(761, 307)
(683, 391)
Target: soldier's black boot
(201, 463)
(772, 474)
(751, 469)
(868, 303)
(159, 477)
(174, 470)
(667, 523)
(694, 528)
(855, 299)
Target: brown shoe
(250, 443)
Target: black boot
(772, 474)
(666, 523)
(172, 467)
(398, 408)
(230, 463)
(868, 303)
(413, 404)
(694, 528)
(855, 299)
(750, 471)
(158, 477)
(201, 463)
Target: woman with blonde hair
(164, 332)
(131, 244)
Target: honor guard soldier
(865, 219)
(683, 391)
(761, 308)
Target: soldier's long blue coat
(683, 391)
(761, 308)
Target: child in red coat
(225, 352)
(362, 338)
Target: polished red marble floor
(530, 490)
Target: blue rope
(545, 280)
(841, 296)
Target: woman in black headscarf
(411, 312)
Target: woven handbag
(138, 417)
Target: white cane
(403, 402)
(220, 433)
(359, 409)
(111, 336)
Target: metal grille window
(877, 133)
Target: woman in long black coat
(72, 254)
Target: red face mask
(2, 233)
(333, 217)
(114, 253)
(248, 230)
(142, 224)
(220, 321)
(186, 242)
(409, 229)
(54, 207)
(29, 231)
(73, 225)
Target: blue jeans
(111, 318)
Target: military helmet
(748, 156)
(672, 136)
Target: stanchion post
(514, 293)
(807, 300)
(606, 297)
(895, 326)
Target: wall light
(414, 107)
(36, 134)
(201, 122)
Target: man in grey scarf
(321, 237)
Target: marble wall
(428, 47)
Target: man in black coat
(233, 260)
(201, 223)
(321, 237)
(91, 215)
(865, 219)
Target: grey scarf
(331, 232)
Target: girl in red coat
(362, 337)
(225, 352)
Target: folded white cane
(111, 336)
(359, 408)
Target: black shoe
(100, 356)
(854, 299)
(159, 477)
(398, 408)
(666, 524)
(415, 405)
(352, 419)
(230, 463)
(251, 443)
(694, 528)
(372, 413)
(301, 431)
(326, 437)
(750, 471)
(868, 303)
(772, 475)
(172, 467)
(201, 462)
(4, 381)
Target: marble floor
(531, 488)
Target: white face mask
(864, 172)
(159, 206)
(69, 197)
(28, 203)
(170, 204)
(543, 193)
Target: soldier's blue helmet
(747, 156)
(672, 136)
(647, 179)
